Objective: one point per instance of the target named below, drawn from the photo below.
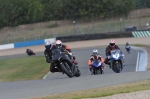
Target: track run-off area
(55, 83)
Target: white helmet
(58, 43)
(48, 45)
(95, 52)
(112, 43)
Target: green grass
(101, 92)
(28, 68)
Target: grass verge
(28, 68)
(101, 92)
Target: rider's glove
(123, 55)
(108, 57)
(70, 54)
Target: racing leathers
(94, 57)
(30, 52)
(48, 56)
(71, 56)
(108, 50)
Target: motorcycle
(63, 63)
(30, 52)
(128, 48)
(97, 67)
(116, 61)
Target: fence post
(93, 26)
(74, 25)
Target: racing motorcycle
(128, 48)
(97, 67)
(30, 52)
(64, 64)
(116, 61)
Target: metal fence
(63, 28)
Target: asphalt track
(58, 83)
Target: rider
(48, 55)
(29, 51)
(127, 44)
(111, 46)
(64, 47)
(94, 56)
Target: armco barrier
(33, 43)
(94, 36)
(6, 46)
(25, 44)
(28, 43)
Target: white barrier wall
(6, 46)
(25, 44)
(52, 40)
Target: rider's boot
(109, 65)
(91, 70)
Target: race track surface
(59, 83)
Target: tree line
(16, 12)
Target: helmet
(48, 45)
(112, 43)
(95, 52)
(58, 43)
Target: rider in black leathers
(48, 55)
(63, 48)
(127, 46)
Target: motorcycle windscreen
(116, 54)
(56, 54)
(96, 63)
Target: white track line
(46, 75)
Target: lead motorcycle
(62, 62)
(97, 67)
(116, 61)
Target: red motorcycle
(30, 52)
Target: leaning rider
(65, 47)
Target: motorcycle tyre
(78, 73)
(118, 65)
(65, 70)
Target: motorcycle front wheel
(66, 70)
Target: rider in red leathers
(111, 46)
